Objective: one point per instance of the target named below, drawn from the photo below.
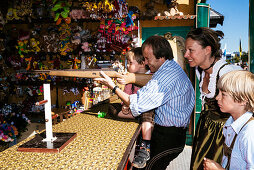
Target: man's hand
(211, 165)
(106, 80)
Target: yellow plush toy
(34, 45)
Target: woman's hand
(106, 80)
(211, 165)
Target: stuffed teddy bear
(173, 9)
(150, 11)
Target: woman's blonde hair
(240, 85)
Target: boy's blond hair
(240, 86)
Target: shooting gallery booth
(67, 113)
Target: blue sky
(236, 22)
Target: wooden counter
(101, 143)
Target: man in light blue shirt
(170, 93)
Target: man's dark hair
(160, 45)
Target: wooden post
(203, 20)
(251, 36)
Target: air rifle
(138, 79)
(87, 73)
(83, 73)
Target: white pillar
(48, 116)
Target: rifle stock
(92, 73)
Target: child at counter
(236, 97)
(136, 64)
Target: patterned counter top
(101, 143)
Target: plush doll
(29, 63)
(150, 11)
(12, 14)
(62, 10)
(173, 9)
(22, 48)
(83, 62)
(24, 9)
(34, 45)
(129, 19)
(77, 14)
(76, 39)
(2, 21)
(74, 63)
(39, 10)
(85, 47)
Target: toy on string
(40, 91)
(83, 61)
(62, 10)
(42, 76)
(12, 14)
(15, 61)
(80, 36)
(74, 63)
(40, 65)
(22, 48)
(173, 8)
(24, 8)
(92, 59)
(65, 91)
(77, 14)
(75, 91)
(2, 21)
(64, 37)
(85, 47)
(29, 63)
(129, 19)
(35, 65)
(34, 45)
(50, 42)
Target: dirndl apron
(208, 140)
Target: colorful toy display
(57, 34)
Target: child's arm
(211, 165)
(138, 79)
(106, 80)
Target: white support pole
(48, 116)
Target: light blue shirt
(170, 93)
(242, 157)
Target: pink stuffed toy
(85, 47)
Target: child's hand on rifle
(106, 80)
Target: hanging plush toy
(2, 21)
(22, 47)
(74, 63)
(62, 10)
(34, 45)
(12, 14)
(129, 19)
(85, 47)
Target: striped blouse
(170, 93)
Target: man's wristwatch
(114, 89)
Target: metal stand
(46, 142)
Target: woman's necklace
(210, 65)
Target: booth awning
(215, 18)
